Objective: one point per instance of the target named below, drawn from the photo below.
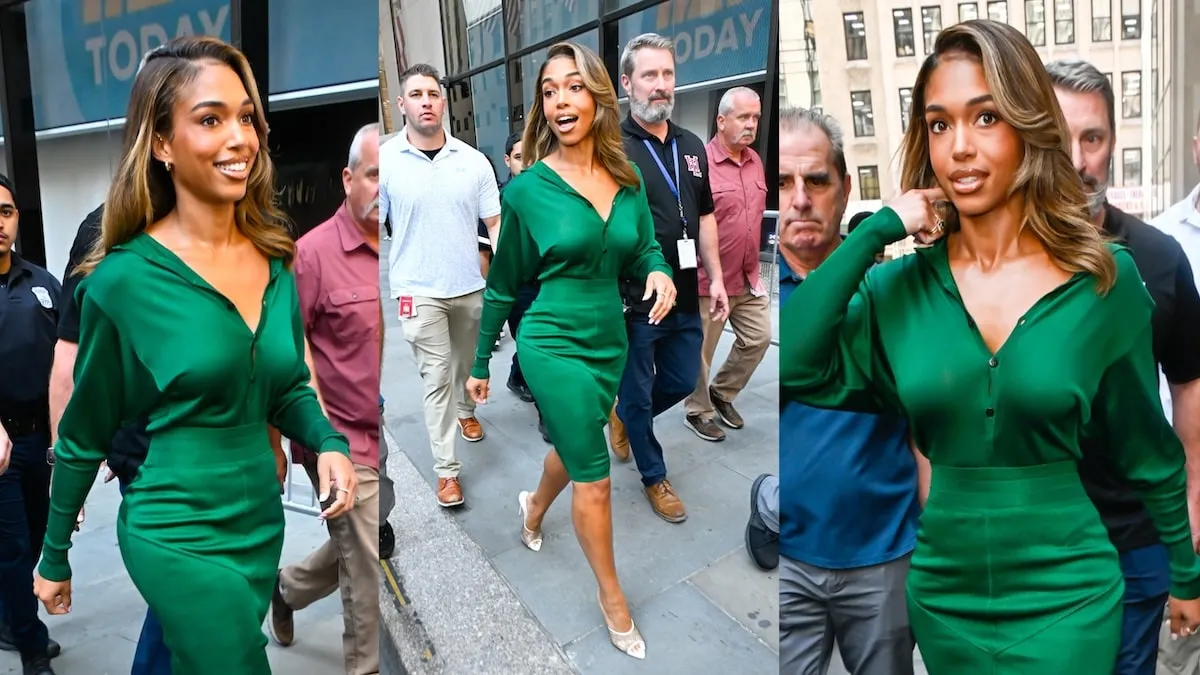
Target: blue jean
(661, 370)
(1147, 586)
(152, 656)
(24, 509)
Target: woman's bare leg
(554, 481)
(591, 511)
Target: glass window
(905, 107)
(523, 78)
(868, 182)
(998, 10)
(1035, 22)
(479, 113)
(1131, 158)
(712, 40)
(1102, 20)
(531, 21)
(1131, 94)
(476, 35)
(856, 36)
(931, 25)
(1131, 20)
(902, 23)
(864, 116)
(1064, 22)
(968, 11)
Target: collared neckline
(631, 127)
(19, 267)
(406, 145)
(348, 231)
(155, 252)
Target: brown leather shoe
(280, 625)
(617, 436)
(470, 428)
(449, 492)
(665, 502)
(725, 410)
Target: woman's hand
(1185, 617)
(920, 218)
(55, 595)
(478, 390)
(335, 473)
(661, 286)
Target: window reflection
(479, 113)
(532, 21)
(523, 88)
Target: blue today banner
(84, 54)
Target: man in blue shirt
(848, 505)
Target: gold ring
(938, 225)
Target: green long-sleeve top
(898, 338)
(548, 231)
(158, 342)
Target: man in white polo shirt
(435, 189)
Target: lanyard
(674, 185)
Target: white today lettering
(705, 40)
(123, 52)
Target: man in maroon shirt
(739, 189)
(337, 274)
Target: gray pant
(387, 491)
(865, 610)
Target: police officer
(29, 306)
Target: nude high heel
(629, 642)
(532, 539)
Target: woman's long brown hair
(539, 140)
(143, 192)
(1056, 205)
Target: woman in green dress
(1004, 343)
(189, 317)
(575, 220)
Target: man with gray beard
(664, 358)
(1087, 102)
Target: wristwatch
(50, 455)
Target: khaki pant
(750, 317)
(443, 334)
(349, 561)
(1177, 657)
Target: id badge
(406, 307)
(687, 253)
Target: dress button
(1021, 322)
(993, 362)
(990, 412)
(354, 296)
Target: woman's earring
(168, 165)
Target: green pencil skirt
(1014, 574)
(201, 533)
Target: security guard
(29, 301)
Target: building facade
(83, 56)
(1176, 114)
(869, 52)
(490, 52)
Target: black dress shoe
(761, 543)
(36, 665)
(520, 389)
(387, 541)
(9, 644)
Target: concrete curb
(443, 607)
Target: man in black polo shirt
(29, 307)
(1087, 100)
(128, 449)
(664, 360)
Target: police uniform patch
(43, 297)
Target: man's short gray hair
(726, 105)
(1082, 77)
(357, 143)
(793, 118)
(644, 41)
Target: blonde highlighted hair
(143, 192)
(1056, 203)
(539, 140)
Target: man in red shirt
(337, 274)
(739, 189)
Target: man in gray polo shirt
(435, 189)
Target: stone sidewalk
(475, 600)
(100, 634)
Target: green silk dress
(572, 340)
(201, 525)
(1013, 573)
